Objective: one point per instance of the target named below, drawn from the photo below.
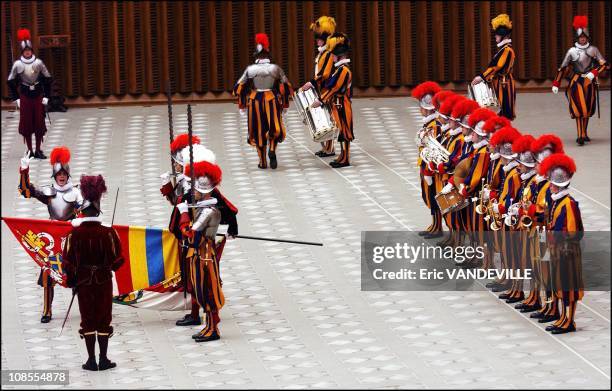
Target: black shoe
(512, 300)
(273, 162)
(188, 320)
(434, 235)
(423, 233)
(39, 155)
(335, 164)
(105, 363)
(262, 167)
(325, 154)
(504, 296)
(519, 306)
(30, 154)
(530, 308)
(90, 365)
(551, 327)
(587, 139)
(563, 330)
(548, 318)
(580, 141)
(537, 315)
(213, 337)
(45, 319)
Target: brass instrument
(494, 218)
(432, 150)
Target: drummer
(499, 71)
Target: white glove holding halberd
(496, 207)
(182, 207)
(555, 90)
(45, 101)
(513, 210)
(18, 103)
(590, 76)
(428, 179)
(486, 194)
(447, 188)
(243, 112)
(165, 177)
(25, 161)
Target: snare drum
(484, 95)
(451, 202)
(318, 119)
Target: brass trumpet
(481, 208)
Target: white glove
(486, 194)
(165, 177)
(307, 86)
(18, 103)
(513, 210)
(428, 179)
(243, 112)
(496, 207)
(25, 160)
(590, 76)
(477, 80)
(315, 104)
(447, 188)
(182, 207)
(45, 101)
(555, 90)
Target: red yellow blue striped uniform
(324, 67)
(509, 246)
(499, 74)
(336, 93)
(454, 145)
(428, 192)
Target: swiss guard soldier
(91, 253)
(62, 199)
(201, 230)
(263, 90)
(30, 86)
(581, 65)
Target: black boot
(105, 363)
(39, 155)
(189, 320)
(90, 343)
(273, 162)
(45, 319)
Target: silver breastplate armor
(207, 220)
(264, 75)
(582, 60)
(28, 72)
(62, 205)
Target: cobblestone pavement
(295, 316)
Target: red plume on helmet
(60, 155)
(558, 160)
(440, 97)
(494, 123)
(426, 88)
(545, 140)
(92, 187)
(463, 108)
(181, 141)
(523, 143)
(479, 115)
(210, 170)
(23, 35)
(262, 39)
(504, 135)
(449, 103)
(580, 22)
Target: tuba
(432, 150)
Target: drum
(318, 119)
(484, 95)
(451, 202)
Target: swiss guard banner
(151, 254)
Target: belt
(264, 90)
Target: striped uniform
(509, 250)
(324, 66)
(337, 92)
(581, 92)
(265, 104)
(428, 192)
(499, 74)
(566, 256)
(454, 145)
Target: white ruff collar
(540, 178)
(527, 175)
(559, 195)
(77, 222)
(430, 118)
(480, 144)
(579, 46)
(321, 49)
(495, 155)
(445, 127)
(343, 61)
(28, 60)
(262, 61)
(67, 186)
(503, 42)
(510, 166)
(454, 132)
